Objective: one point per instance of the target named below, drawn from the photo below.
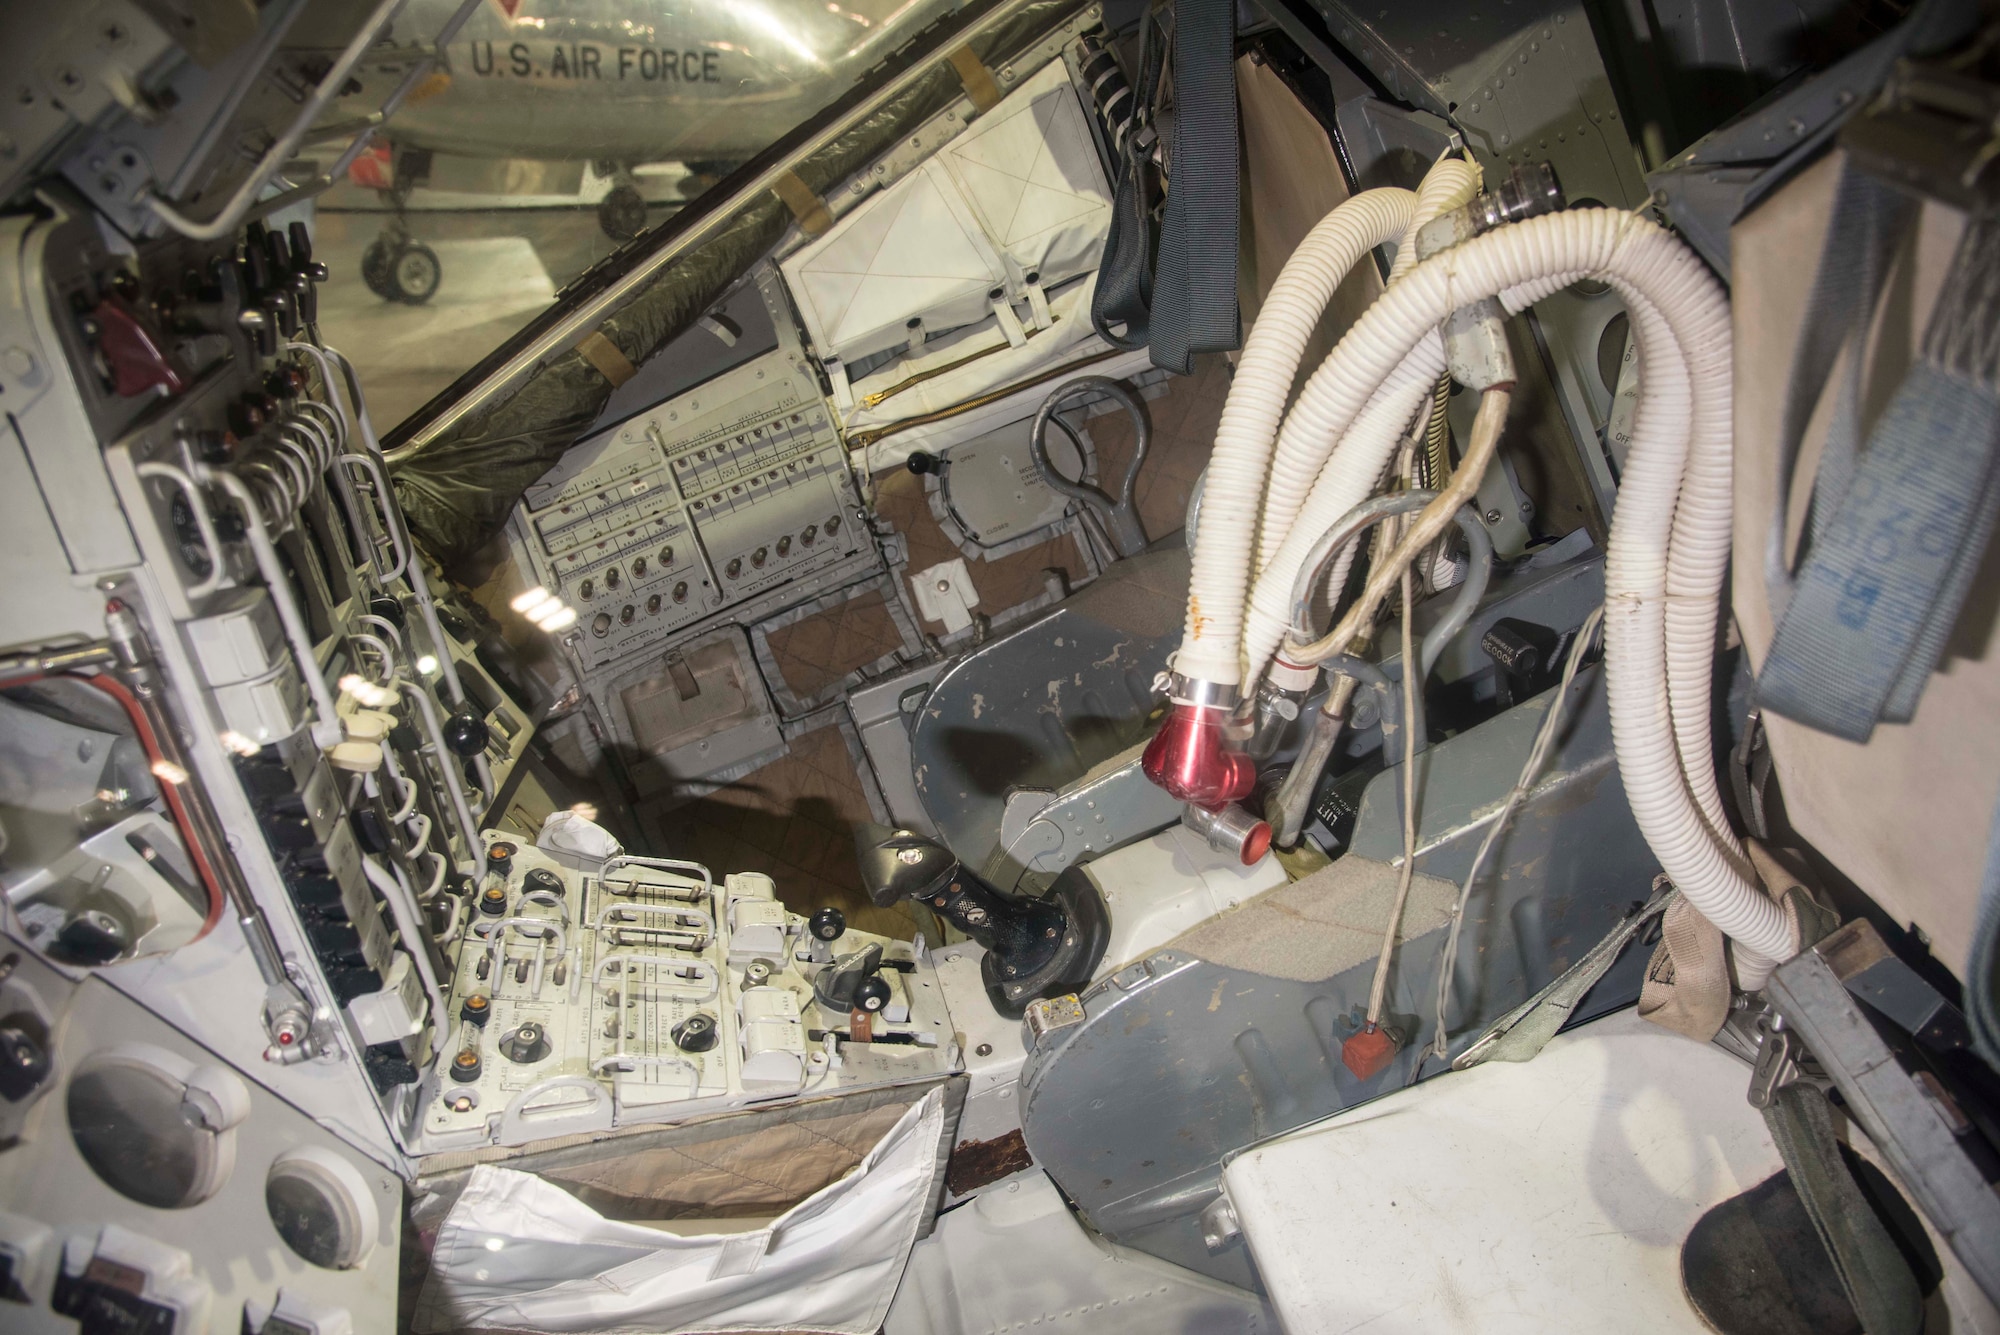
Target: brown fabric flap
(602, 353)
(978, 80)
(806, 206)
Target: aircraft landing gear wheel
(622, 213)
(415, 274)
(701, 175)
(375, 268)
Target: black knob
(465, 732)
(24, 1063)
(319, 895)
(1518, 647)
(828, 924)
(697, 1033)
(371, 830)
(92, 937)
(302, 246)
(336, 944)
(921, 462)
(256, 259)
(543, 880)
(871, 993)
(526, 1045)
(286, 834)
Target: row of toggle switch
(810, 535)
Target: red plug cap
(1190, 757)
(1257, 843)
(1367, 1052)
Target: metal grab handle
(382, 501)
(622, 1062)
(204, 525)
(523, 1119)
(620, 861)
(1120, 516)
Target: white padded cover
(1508, 1199)
(1030, 171)
(1020, 192)
(913, 250)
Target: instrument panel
(705, 502)
(640, 990)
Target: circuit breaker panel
(701, 505)
(642, 989)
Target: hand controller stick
(1034, 947)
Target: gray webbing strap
(1186, 302)
(1890, 566)
(1874, 1273)
(1124, 292)
(1869, 217)
(1194, 289)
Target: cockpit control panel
(645, 990)
(701, 504)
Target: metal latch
(1050, 1014)
(1777, 1060)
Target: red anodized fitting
(1191, 755)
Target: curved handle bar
(1120, 516)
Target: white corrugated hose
(1669, 543)
(1235, 493)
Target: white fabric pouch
(517, 1254)
(1016, 205)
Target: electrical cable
(1437, 436)
(860, 440)
(1538, 755)
(1378, 989)
(169, 790)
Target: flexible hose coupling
(1475, 335)
(1193, 755)
(1230, 830)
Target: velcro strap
(843, 391)
(806, 206)
(1010, 323)
(602, 353)
(978, 80)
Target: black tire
(375, 268)
(701, 175)
(415, 276)
(622, 213)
